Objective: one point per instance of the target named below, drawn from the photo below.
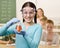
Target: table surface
(6, 46)
(41, 46)
(46, 46)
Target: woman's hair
(41, 10)
(30, 4)
(44, 18)
(50, 21)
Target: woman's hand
(20, 33)
(18, 28)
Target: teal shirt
(31, 38)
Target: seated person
(49, 37)
(43, 21)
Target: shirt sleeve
(36, 39)
(6, 31)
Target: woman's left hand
(21, 32)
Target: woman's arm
(9, 27)
(3, 30)
(6, 31)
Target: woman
(43, 21)
(40, 14)
(30, 34)
(49, 36)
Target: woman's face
(28, 14)
(43, 23)
(39, 13)
(49, 27)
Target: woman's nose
(28, 14)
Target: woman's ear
(34, 12)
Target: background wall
(51, 8)
(7, 10)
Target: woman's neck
(28, 23)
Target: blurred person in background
(40, 13)
(50, 37)
(41, 18)
(43, 21)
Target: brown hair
(43, 18)
(50, 21)
(41, 10)
(30, 4)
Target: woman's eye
(28, 12)
(31, 12)
(24, 12)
